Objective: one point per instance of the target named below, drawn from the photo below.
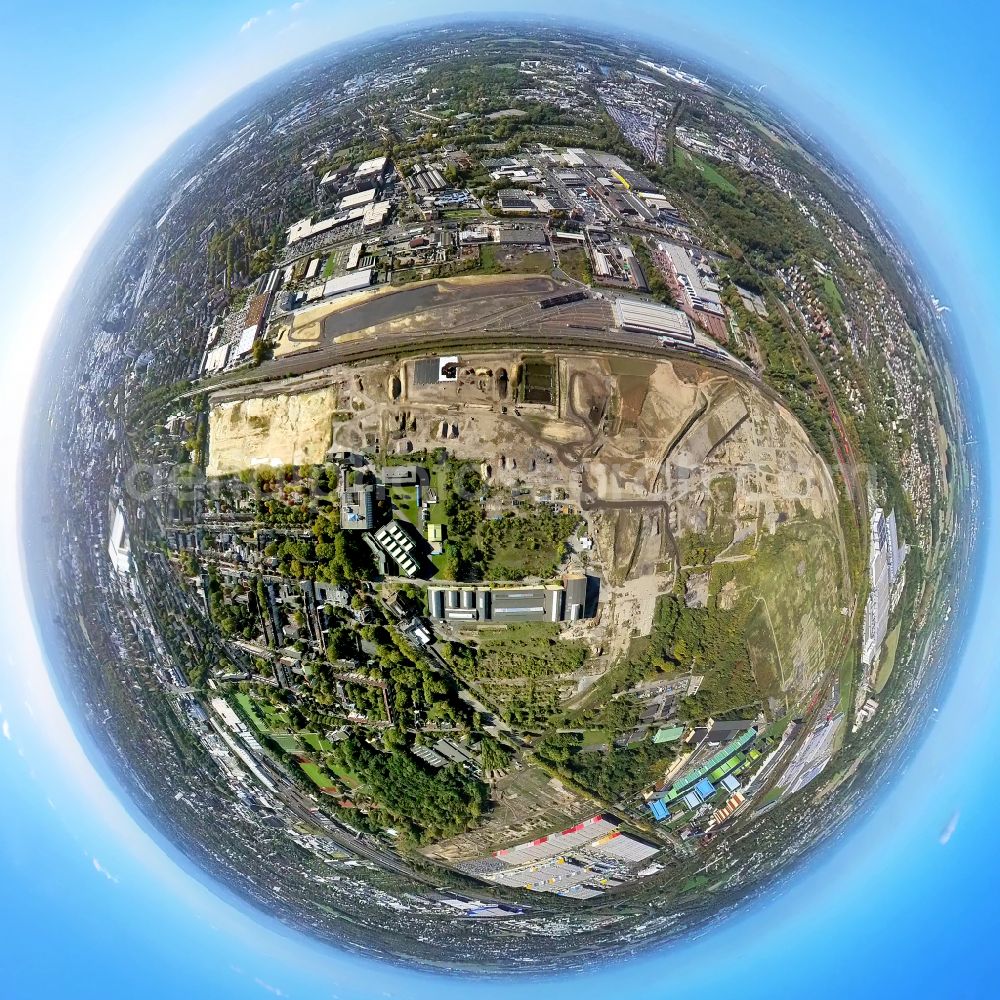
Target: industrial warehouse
(468, 605)
(581, 862)
(649, 317)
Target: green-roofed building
(668, 735)
(719, 763)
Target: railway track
(449, 341)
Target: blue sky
(95, 907)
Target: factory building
(357, 507)
(695, 287)
(648, 317)
(353, 258)
(435, 538)
(399, 475)
(428, 180)
(394, 540)
(632, 180)
(698, 290)
(357, 200)
(622, 846)
(558, 844)
(659, 810)
(695, 785)
(580, 862)
(508, 236)
(471, 604)
(886, 557)
(118, 544)
(371, 171)
(352, 282)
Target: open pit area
(274, 430)
(683, 476)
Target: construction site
(672, 466)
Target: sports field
(317, 775)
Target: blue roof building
(704, 789)
(691, 800)
(659, 810)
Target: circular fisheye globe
(496, 493)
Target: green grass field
(263, 717)
(833, 297)
(798, 573)
(777, 728)
(289, 742)
(847, 667)
(797, 587)
(700, 548)
(764, 654)
(316, 742)
(533, 263)
(463, 213)
(528, 649)
(685, 159)
(404, 504)
(518, 561)
(494, 259)
(488, 260)
(347, 777)
(249, 707)
(576, 264)
(317, 775)
(888, 659)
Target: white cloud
(6, 729)
(298, 5)
(247, 25)
(269, 988)
(949, 831)
(101, 870)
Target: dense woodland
(421, 805)
(517, 544)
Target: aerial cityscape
(518, 485)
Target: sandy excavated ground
(639, 447)
(273, 430)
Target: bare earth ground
(527, 804)
(664, 459)
(272, 430)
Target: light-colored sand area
(272, 430)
